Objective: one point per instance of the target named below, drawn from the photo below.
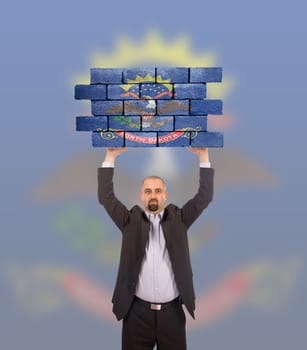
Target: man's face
(153, 194)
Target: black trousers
(144, 328)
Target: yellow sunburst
(156, 51)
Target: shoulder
(137, 211)
(171, 210)
(171, 207)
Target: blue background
(259, 210)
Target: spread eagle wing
(169, 107)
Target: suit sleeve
(194, 207)
(114, 207)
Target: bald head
(154, 177)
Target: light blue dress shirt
(156, 282)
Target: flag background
(52, 230)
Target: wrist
(203, 158)
(109, 159)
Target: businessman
(155, 276)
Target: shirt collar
(160, 214)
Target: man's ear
(166, 195)
(141, 195)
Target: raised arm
(194, 207)
(112, 154)
(202, 153)
(114, 207)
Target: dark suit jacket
(134, 226)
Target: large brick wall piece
(150, 107)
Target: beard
(153, 205)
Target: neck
(155, 212)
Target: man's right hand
(201, 152)
(112, 153)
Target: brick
(206, 75)
(191, 122)
(156, 91)
(173, 107)
(174, 75)
(125, 123)
(106, 75)
(90, 92)
(147, 75)
(189, 91)
(204, 107)
(107, 107)
(123, 92)
(91, 123)
(157, 123)
(173, 139)
(107, 139)
(141, 139)
(139, 107)
(150, 107)
(208, 139)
